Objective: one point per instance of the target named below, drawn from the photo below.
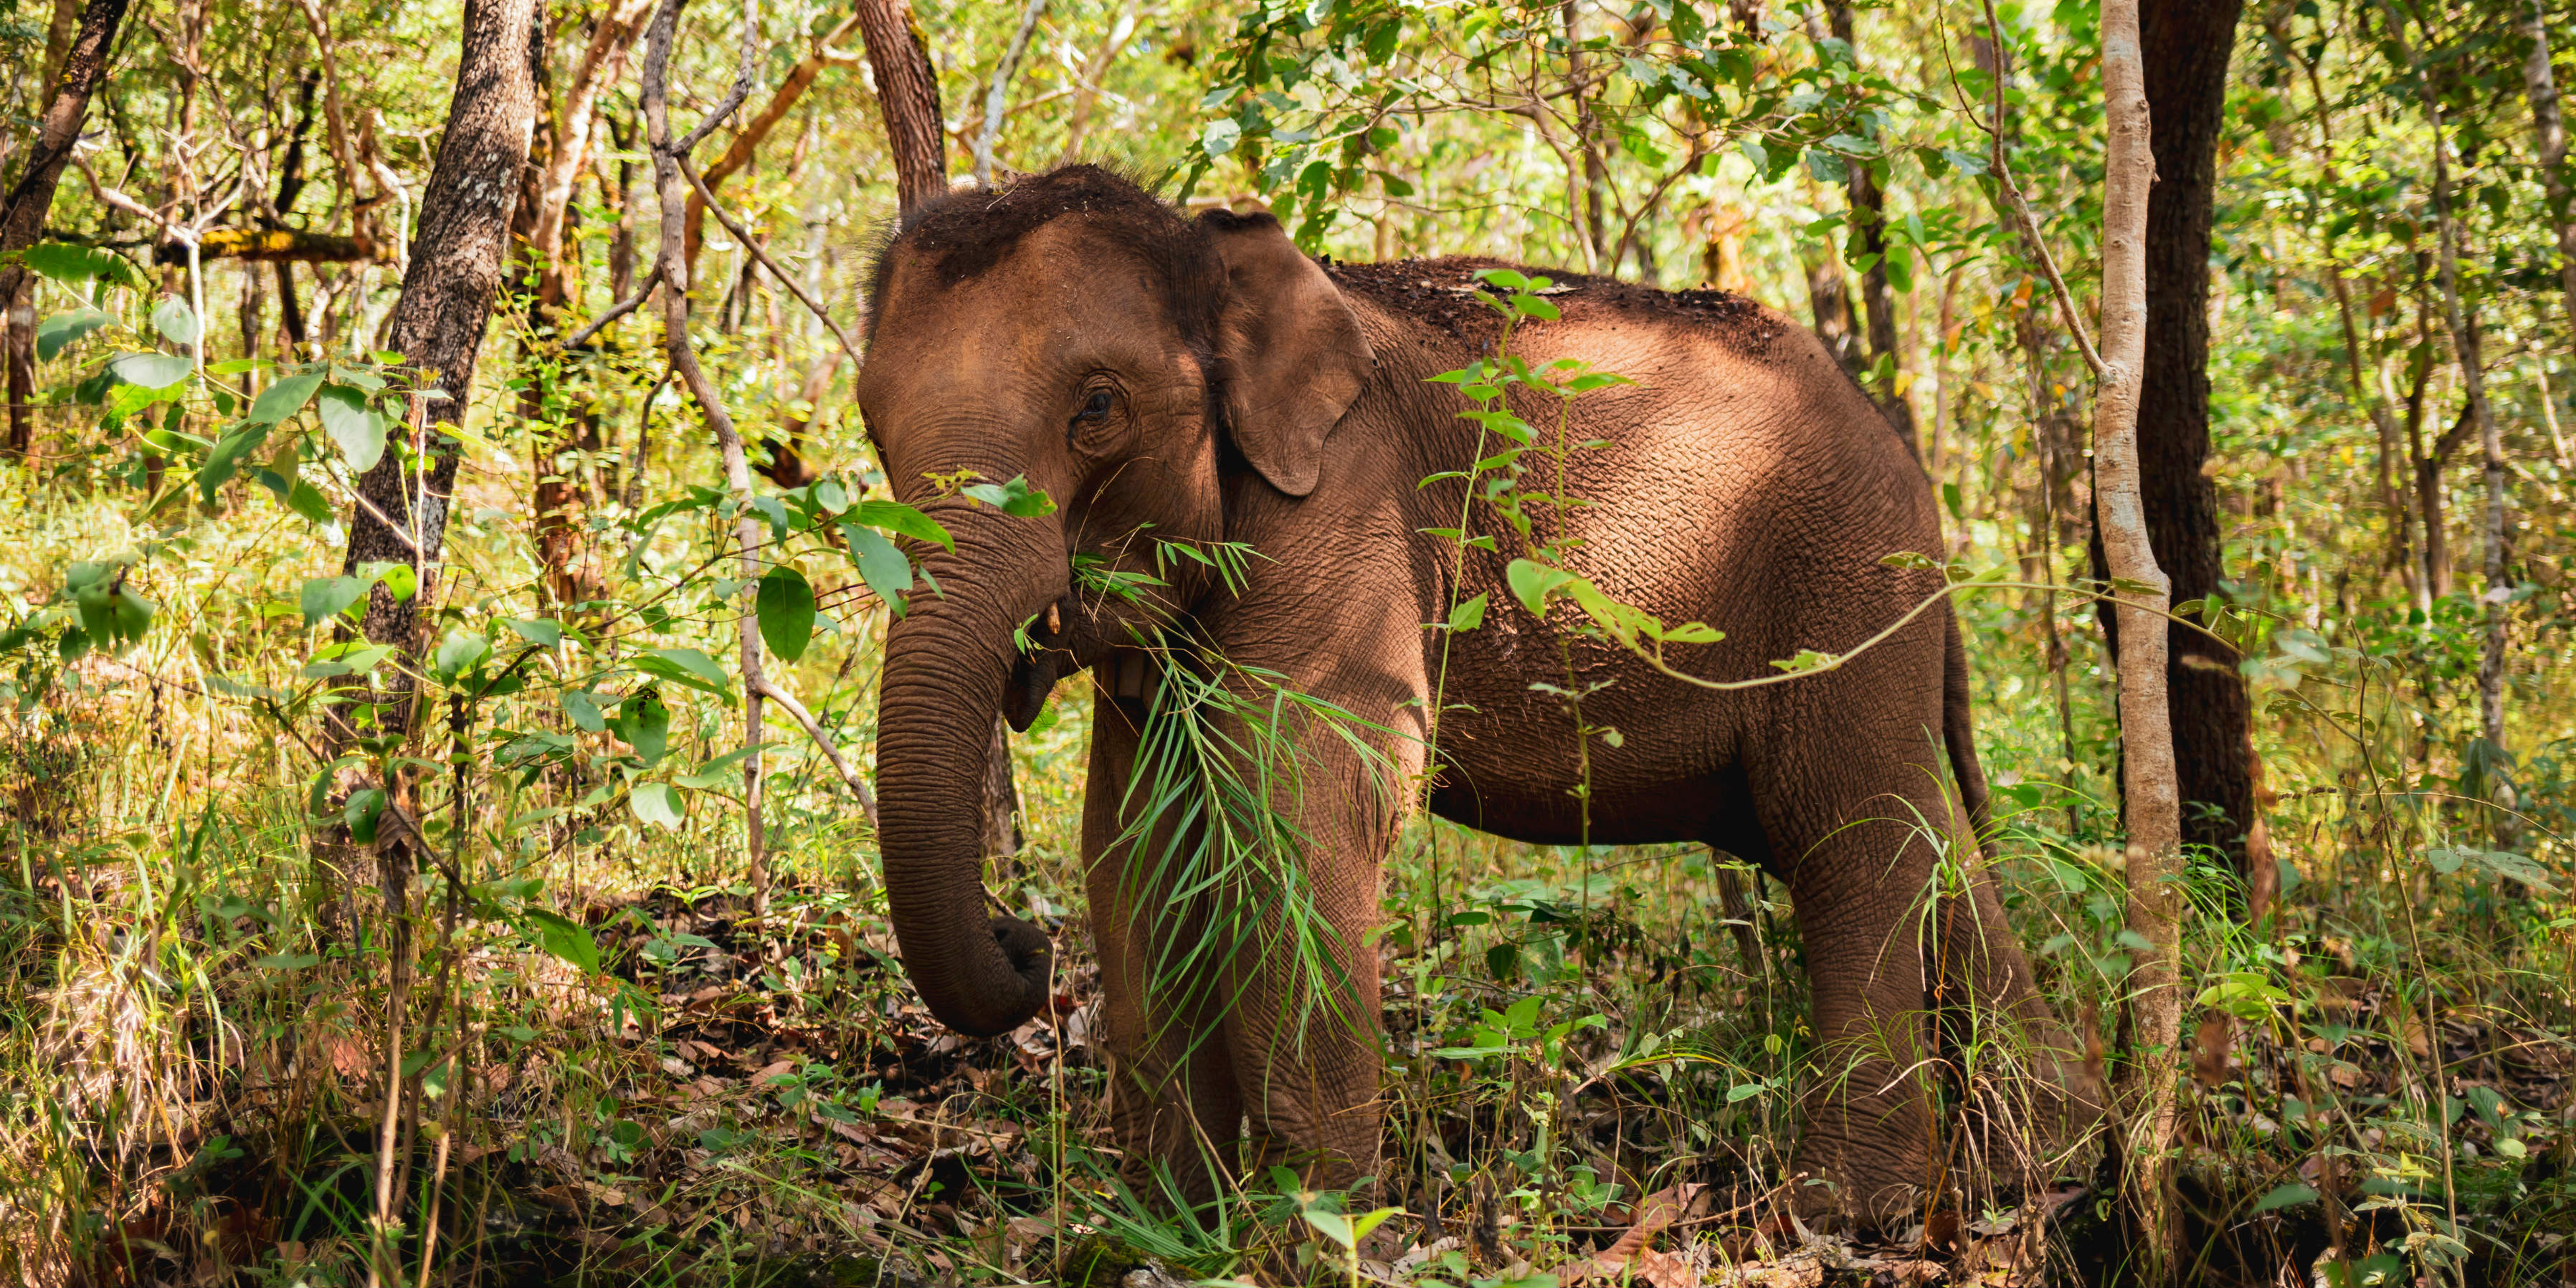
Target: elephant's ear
(1291, 352)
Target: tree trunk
(671, 189)
(2466, 347)
(1878, 295)
(2148, 746)
(2540, 85)
(908, 95)
(22, 218)
(438, 326)
(2186, 45)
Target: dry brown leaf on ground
(1628, 1256)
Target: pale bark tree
(2141, 595)
(22, 216)
(998, 95)
(2540, 85)
(2151, 785)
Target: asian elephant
(1168, 379)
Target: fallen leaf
(2210, 1046)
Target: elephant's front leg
(1303, 1021)
(1172, 1088)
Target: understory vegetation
(491, 950)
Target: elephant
(1170, 379)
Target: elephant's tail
(1959, 729)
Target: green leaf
(225, 457)
(885, 570)
(62, 329)
(2282, 1196)
(583, 707)
(686, 666)
(458, 652)
(904, 521)
(1468, 615)
(325, 596)
(72, 265)
(542, 633)
(1532, 582)
(355, 428)
(658, 804)
(1220, 137)
(567, 940)
(361, 814)
(151, 370)
(176, 322)
(287, 961)
(785, 604)
(644, 722)
(716, 772)
(1745, 1092)
(282, 400)
(1015, 498)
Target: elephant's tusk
(1055, 620)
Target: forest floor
(703, 1111)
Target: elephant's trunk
(946, 664)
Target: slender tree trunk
(22, 217)
(1878, 295)
(2148, 747)
(2187, 45)
(438, 327)
(671, 189)
(908, 95)
(2540, 85)
(2466, 345)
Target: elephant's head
(1133, 364)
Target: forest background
(438, 835)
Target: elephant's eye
(1096, 406)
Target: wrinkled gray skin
(1204, 378)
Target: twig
(741, 77)
(858, 786)
(2023, 221)
(643, 291)
(995, 97)
(743, 235)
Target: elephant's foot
(1876, 1186)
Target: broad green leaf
(1468, 615)
(2282, 1196)
(1220, 137)
(72, 265)
(355, 428)
(1532, 582)
(176, 322)
(645, 723)
(903, 520)
(151, 370)
(538, 631)
(1015, 498)
(719, 771)
(225, 457)
(831, 497)
(583, 707)
(885, 570)
(325, 596)
(567, 940)
(62, 329)
(658, 804)
(283, 399)
(686, 666)
(361, 814)
(785, 604)
(460, 651)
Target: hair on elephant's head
(1074, 330)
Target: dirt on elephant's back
(1443, 293)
